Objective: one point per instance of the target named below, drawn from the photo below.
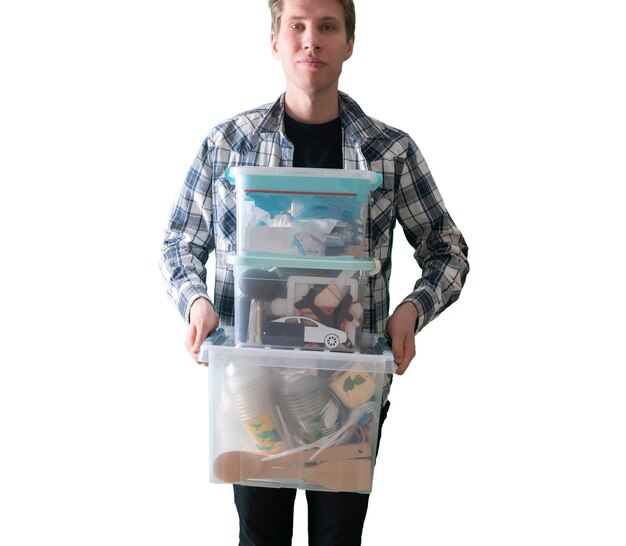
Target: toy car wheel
(331, 341)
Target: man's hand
(203, 321)
(401, 330)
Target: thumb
(195, 337)
(201, 333)
(397, 348)
(190, 338)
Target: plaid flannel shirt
(203, 220)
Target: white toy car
(300, 330)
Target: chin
(313, 85)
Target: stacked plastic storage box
(295, 388)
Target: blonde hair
(276, 9)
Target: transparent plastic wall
(291, 306)
(284, 418)
(302, 212)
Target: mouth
(312, 62)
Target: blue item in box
(306, 212)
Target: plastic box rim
(374, 178)
(220, 348)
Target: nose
(311, 40)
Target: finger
(190, 337)
(408, 354)
(199, 338)
(202, 332)
(397, 348)
(194, 340)
(398, 357)
(402, 366)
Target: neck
(312, 108)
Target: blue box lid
(299, 180)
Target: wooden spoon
(335, 475)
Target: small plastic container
(300, 211)
(293, 418)
(299, 303)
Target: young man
(313, 125)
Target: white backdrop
(508, 427)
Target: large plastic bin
(302, 211)
(294, 418)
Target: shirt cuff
(425, 307)
(188, 296)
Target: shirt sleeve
(189, 237)
(440, 249)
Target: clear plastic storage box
(302, 211)
(295, 418)
(291, 302)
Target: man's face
(311, 44)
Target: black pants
(334, 519)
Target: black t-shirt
(316, 145)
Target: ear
(349, 48)
(274, 45)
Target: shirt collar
(273, 120)
(359, 127)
